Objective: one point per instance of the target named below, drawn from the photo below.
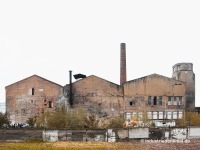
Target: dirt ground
(147, 145)
(150, 145)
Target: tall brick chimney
(122, 63)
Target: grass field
(194, 145)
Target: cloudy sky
(51, 37)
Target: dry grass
(71, 146)
(194, 145)
(100, 145)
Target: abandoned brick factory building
(162, 98)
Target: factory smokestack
(122, 63)
(70, 88)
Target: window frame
(169, 101)
(149, 100)
(160, 103)
(175, 101)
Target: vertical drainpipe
(70, 88)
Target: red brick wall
(99, 96)
(21, 104)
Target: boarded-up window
(50, 104)
(155, 115)
(180, 114)
(175, 115)
(169, 100)
(149, 100)
(160, 115)
(169, 115)
(30, 91)
(149, 115)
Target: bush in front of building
(190, 119)
(4, 120)
(117, 122)
(67, 119)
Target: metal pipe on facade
(70, 88)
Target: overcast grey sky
(51, 37)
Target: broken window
(169, 100)
(160, 100)
(160, 115)
(45, 102)
(175, 100)
(149, 100)
(180, 100)
(179, 67)
(50, 104)
(149, 115)
(132, 103)
(154, 100)
(33, 91)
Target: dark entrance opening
(154, 100)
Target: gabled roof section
(34, 76)
(95, 77)
(153, 75)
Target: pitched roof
(95, 77)
(142, 78)
(34, 76)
